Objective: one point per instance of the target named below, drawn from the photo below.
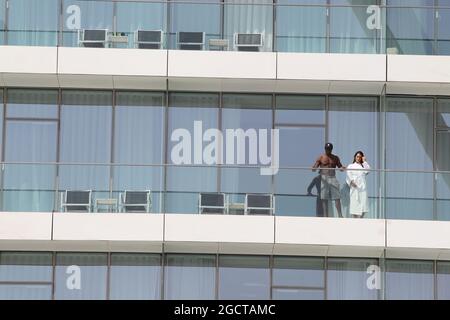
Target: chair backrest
(148, 39)
(259, 204)
(190, 40)
(212, 199)
(136, 201)
(78, 200)
(212, 203)
(78, 197)
(136, 197)
(94, 38)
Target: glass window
(291, 109)
(30, 187)
(190, 277)
(443, 113)
(298, 272)
(409, 194)
(409, 280)
(301, 124)
(354, 126)
(347, 279)
(298, 278)
(443, 280)
(2, 21)
(33, 22)
(443, 27)
(244, 278)
(249, 16)
(25, 276)
(250, 114)
(135, 276)
(25, 267)
(86, 121)
(79, 15)
(133, 16)
(349, 28)
(80, 276)
(410, 26)
(42, 104)
(443, 179)
(301, 28)
(190, 17)
(297, 294)
(139, 139)
(188, 111)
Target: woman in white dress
(356, 179)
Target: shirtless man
(329, 183)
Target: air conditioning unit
(148, 39)
(93, 38)
(248, 41)
(191, 40)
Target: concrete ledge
(25, 226)
(331, 232)
(100, 61)
(108, 227)
(219, 228)
(29, 60)
(222, 64)
(410, 234)
(415, 68)
(329, 67)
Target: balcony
(177, 189)
(337, 27)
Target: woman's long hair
(358, 152)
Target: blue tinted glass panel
(409, 280)
(135, 277)
(190, 277)
(80, 276)
(242, 277)
(301, 28)
(90, 15)
(33, 22)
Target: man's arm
(339, 164)
(317, 164)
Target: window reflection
(242, 277)
(80, 276)
(409, 280)
(190, 277)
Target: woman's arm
(366, 166)
(350, 176)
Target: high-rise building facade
(164, 149)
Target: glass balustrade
(320, 26)
(235, 190)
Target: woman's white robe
(359, 202)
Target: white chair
(136, 201)
(76, 201)
(213, 203)
(259, 204)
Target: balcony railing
(284, 26)
(90, 188)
